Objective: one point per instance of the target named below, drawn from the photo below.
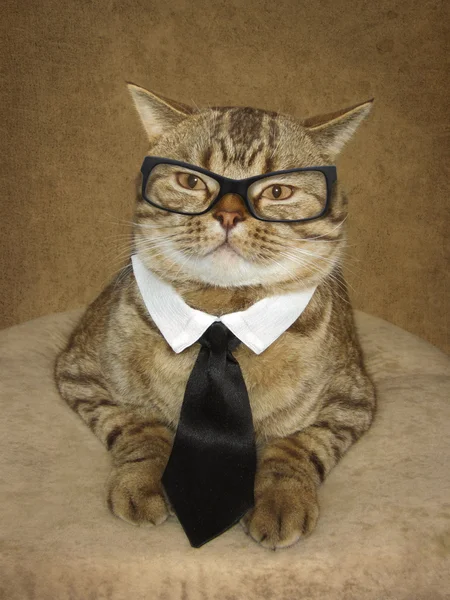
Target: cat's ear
(157, 113)
(333, 130)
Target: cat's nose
(229, 212)
(228, 219)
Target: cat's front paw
(135, 494)
(282, 514)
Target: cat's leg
(290, 469)
(139, 443)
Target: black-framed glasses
(288, 196)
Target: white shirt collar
(257, 327)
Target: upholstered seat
(385, 510)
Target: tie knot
(219, 338)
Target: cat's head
(227, 246)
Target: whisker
(167, 255)
(147, 226)
(111, 275)
(337, 241)
(132, 237)
(119, 254)
(188, 252)
(125, 271)
(341, 252)
(317, 237)
(283, 267)
(315, 269)
(314, 255)
(319, 257)
(297, 257)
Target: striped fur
(310, 395)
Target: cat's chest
(277, 378)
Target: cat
(310, 394)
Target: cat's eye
(277, 192)
(183, 190)
(190, 181)
(289, 196)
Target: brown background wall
(72, 144)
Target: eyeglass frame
(236, 186)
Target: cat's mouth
(224, 248)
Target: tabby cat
(310, 395)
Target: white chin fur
(225, 268)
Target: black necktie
(209, 478)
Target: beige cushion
(384, 527)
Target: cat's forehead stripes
(245, 125)
(241, 138)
